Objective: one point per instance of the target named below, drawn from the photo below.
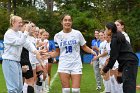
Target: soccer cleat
(98, 88)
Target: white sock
(75, 90)
(25, 88)
(45, 86)
(41, 77)
(38, 89)
(65, 90)
(107, 85)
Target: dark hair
(120, 37)
(65, 14)
(97, 31)
(25, 22)
(112, 27)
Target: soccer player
(68, 43)
(51, 47)
(27, 71)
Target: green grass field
(88, 84)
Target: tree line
(88, 15)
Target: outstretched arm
(88, 50)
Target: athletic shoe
(98, 88)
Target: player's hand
(95, 58)
(42, 64)
(28, 27)
(96, 48)
(25, 68)
(93, 52)
(46, 54)
(102, 72)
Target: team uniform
(46, 47)
(126, 36)
(102, 49)
(25, 61)
(51, 48)
(69, 45)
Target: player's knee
(30, 89)
(39, 78)
(75, 90)
(40, 75)
(65, 90)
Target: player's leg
(97, 74)
(29, 80)
(39, 78)
(65, 81)
(76, 80)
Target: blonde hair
(42, 31)
(13, 19)
(37, 29)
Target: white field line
(53, 79)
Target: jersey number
(68, 49)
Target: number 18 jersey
(69, 45)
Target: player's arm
(100, 55)
(55, 53)
(87, 49)
(52, 54)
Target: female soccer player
(67, 43)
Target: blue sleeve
(92, 43)
(51, 46)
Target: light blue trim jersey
(69, 45)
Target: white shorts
(74, 71)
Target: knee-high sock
(65, 90)
(75, 90)
(25, 88)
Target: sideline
(53, 79)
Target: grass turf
(88, 84)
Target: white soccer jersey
(32, 57)
(126, 36)
(108, 49)
(102, 49)
(69, 45)
(46, 46)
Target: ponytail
(12, 19)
